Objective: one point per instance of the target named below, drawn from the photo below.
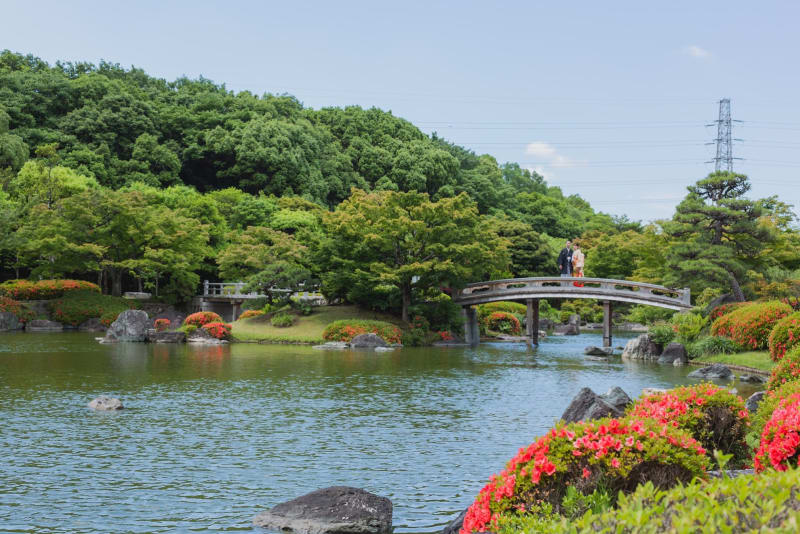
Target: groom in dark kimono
(565, 261)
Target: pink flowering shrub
(712, 415)
(786, 370)
(200, 318)
(218, 330)
(781, 437)
(612, 454)
(785, 335)
(161, 325)
(751, 325)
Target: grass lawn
(756, 359)
(306, 329)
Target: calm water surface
(213, 435)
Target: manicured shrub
(611, 454)
(78, 306)
(661, 333)
(712, 415)
(22, 313)
(503, 322)
(769, 502)
(503, 306)
(161, 325)
(687, 326)
(347, 329)
(218, 330)
(44, 289)
(202, 318)
(282, 320)
(786, 370)
(765, 408)
(780, 440)
(785, 334)
(712, 345)
(751, 325)
(251, 313)
(724, 309)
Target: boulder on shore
(752, 379)
(754, 400)
(368, 341)
(714, 371)
(674, 352)
(589, 405)
(9, 321)
(201, 336)
(43, 325)
(332, 345)
(103, 403)
(617, 398)
(131, 325)
(598, 351)
(165, 337)
(641, 348)
(454, 526)
(334, 510)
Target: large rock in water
(713, 371)
(591, 350)
(103, 403)
(334, 510)
(368, 341)
(131, 325)
(641, 348)
(9, 321)
(43, 325)
(672, 353)
(589, 405)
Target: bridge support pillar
(532, 321)
(607, 310)
(472, 332)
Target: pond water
(211, 435)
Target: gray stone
(137, 295)
(617, 398)
(9, 321)
(104, 403)
(631, 327)
(641, 348)
(589, 405)
(598, 351)
(569, 329)
(202, 337)
(754, 400)
(332, 345)
(574, 319)
(92, 325)
(672, 353)
(646, 392)
(546, 324)
(43, 325)
(131, 325)
(384, 349)
(369, 341)
(454, 526)
(715, 371)
(752, 379)
(731, 473)
(678, 363)
(165, 337)
(334, 510)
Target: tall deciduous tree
(716, 233)
(391, 242)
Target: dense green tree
(531, 252)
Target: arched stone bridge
(531, 290)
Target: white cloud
(548, 154)
(697, 52)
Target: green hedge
(78, 306)
(347, 329)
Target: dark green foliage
(78, 306)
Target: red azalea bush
(504, 322)
(769, 402)
(724, 309)
(347, 329)
(22, 313)
(162, 325)
(781, 438)
(251, 313)
(785, 334)
(786, 370)
(750, 325)
(611, 454)
(712, 415)
(218, 330)
(201, 318)
(445, 335)
(44, 289)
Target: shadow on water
(213, 434)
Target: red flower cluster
(787, 370)
(346, 330)
(606, 450)
(218, 330)
(785, 334)
(44, 289)
(724, 309)
(781, 437)
(505, 322)
(161, 325)
(751, 325)
(201, 318)
(22, 313)
(445, 335)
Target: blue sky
(607, 99)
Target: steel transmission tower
(724, 159)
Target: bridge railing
(596, 287)
(235, 290)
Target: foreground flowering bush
(503, 322)
(612, 454)
(724, 309)
(44, 289)
(22, 313)
(218, 330)
(251, 313)
(780, 440)
(751, 325)
(200, 318)
(786, 370)
(712, 415)
(347, 329)
(759, 419)
(785, 335)
(161, 325)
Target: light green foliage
(589, 310)
(688, 326)
(709, 345)
(648, 314)
(661, 333)
(282, 320)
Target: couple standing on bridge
(570, 262)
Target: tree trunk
(116, 282)
(736, 289)
(406, 289)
